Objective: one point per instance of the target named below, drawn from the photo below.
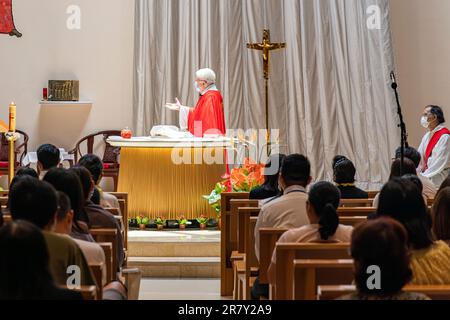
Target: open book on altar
(172, 132)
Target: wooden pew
(97, 271)
(3, 201)
(246, 269)
(355, 211)
(87, 292)
(7, 218)
(226, 267)
(268, 238)
(434, 292)
(430, 202)
(108, 250)
(308, 274)
(108, 236)
(122, 197)
(356, 202)
(372, 194)
(286, 253)
(352, 221)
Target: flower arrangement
(202, 220)
(243, 179)
(160, 223)
(182, 222)
(142, 221)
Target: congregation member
(66, 181)
(27, 171)
(289, 210)
(269, 188)
(49, 157)
(321, 208)
(344, 172)
(383, 243)
(440, 212)
(97, 215)
(401, 200)
(445, 184)
(92, 251)
(24, 267)
(429, 189)
(95, 166)
(435, 146)
(36, 201)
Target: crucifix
(266, 47)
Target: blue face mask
(197, 88)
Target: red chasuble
(433, 142)
(208, 115)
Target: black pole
(404, 136)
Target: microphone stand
(404, 136)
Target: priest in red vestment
(208, 116)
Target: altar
(168, 177)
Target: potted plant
(182, 222)
(202, 220)
(160, 223)
(142, 221)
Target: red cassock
(6, 18)
(208, 115)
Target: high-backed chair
(20, 151)
(110, 156)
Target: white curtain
(329, 89)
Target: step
(176, 267)
(174, 243)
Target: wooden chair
(226, 247)
(110, 155)
(308, 274)
(286, 253)
(356, 203)
(355, 211)
(352, 221)
(20, 151)
(108, 236)
(434, 292)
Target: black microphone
(394, 80)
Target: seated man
(429, 189)
(95, 167)
(98, 216)
(435, 146)
(36, 201)
(48, 157)
(287, 211)
(344, 176)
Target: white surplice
(439, 161)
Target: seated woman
(344, 176)
(24, 266)
(401, 200)
(383, 243)
(323, 202)
(445, 184)
(441, 215)
(269, 189)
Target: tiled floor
(180, 289)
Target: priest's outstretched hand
(174, 106)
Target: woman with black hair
(270, 188)
(69, 183)
(24, 266)
(401, 200)
(344, 173)
(323, 202)
(382, 243)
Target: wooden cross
(266, 46)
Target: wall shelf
(44, 103)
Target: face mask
(197, 88)
(424, 122)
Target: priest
(208, 115)
(435, 146)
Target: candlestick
(12, 117)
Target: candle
(12, 117)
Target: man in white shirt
(289, 210)
(435, 146)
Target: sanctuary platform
(175, 254)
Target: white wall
(100, 55)
(421, 35)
